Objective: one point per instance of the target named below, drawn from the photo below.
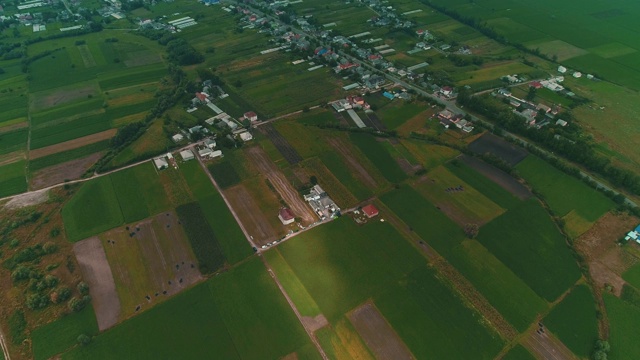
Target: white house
(210, 143)
(160, 163)
(251, 116)
(577, 74)
(562, 69)
(246, 136)
(187, 155)
(177, 137)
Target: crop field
(153, 142)
(139, 192)
(223, 316)
(13, 140)
(229, 235)
(69, 130)
(623, 319)
(70, 111)
(563, 192)
(202, 238)
(421, 307)
(337, 273)
(341, 341)
(527, 232)
(308, 142)
(93, 209)
(464, 205)
(394, 116)
(13, 107)
(64, 156)
(518, 353)
(503, 289)
(379, 156)
(224, 174)
(341, 171)
(334, 187)
(574, 321)
(428, 155)
(257, 207)
(150, 261)
(58, 336)
(13, 179)
(425, 219)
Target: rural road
(3, 344)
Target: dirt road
(288, 193)
(547, 347)
(3, 344)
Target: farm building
(160, 163)
(205, 152)
(246, 136)
(562, 69)
(187, 155)
(210, 143)
(251, 116)
(286, 216)
(197, 129)
(370, 210)
(321, 203)
(177, 137)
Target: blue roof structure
(637, 228)
(388, 95)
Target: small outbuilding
(370, 210)
(246, 136)
(187, 155)
(286, 216)
(177, 137)
(160, 163)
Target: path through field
(547, 347)
(3, 344)
(288, 193)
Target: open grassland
(428, 155)
(341, 264)
(424, 218)
(623, 320)
(307, 141)
(232, 241)
(64, 156)
(632, 276)
(224, 316)
(93, 209)
(434, 322)
(574, 321)
(13, 179)
(464, 206)
(379, 156)
(518, 353)
(503, 289)
(396, 115)
(60, 335)
(527, 232)
(139, 192)
(563, 192)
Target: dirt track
(379, 336)
(254, 220)
(69, 170)
(96, 271)
(288, 193)
(547, 347)
(360, 171)
(72, 144)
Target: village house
(286, 216)
(160, 163)
(251, 116)
(370, 210)
(177, 137)
(187, 155)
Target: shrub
(37, 301)
(83, 288)
(84, 339)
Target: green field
(224, 173)
(424, 218)
(13, 179)
(503, 289)
(421, 307)
(201, 237)
(518, 353)
(379, 156)
(623, 320)
(232, 240)
(13, 140)
(341, 264)
(60, 335)
(92, 210)
(64, 156)
(574, 321)
(69, 130)
(632, 276)
(563, 192)
(341, 171)
(484, 185)
(139, 192)
(225, 316)
(529, 243)
(394, 116)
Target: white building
(210, 143)
(562, 69)
(577, 74)
(246, 136)
(160, 163)
(177, 137)
(187, 155)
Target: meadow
(527, 232)
(500, 286)
(13, 179)
(331, 263)
(61, 335)
(139, 192)
(632, 276)
(623, 320)
(231, 238)
(434, 322)
(397, 114)
(574, 321)
(94, 208)
(563, 192)
(224, 316)
(424, 218)
(379, 156)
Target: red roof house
(286, 216)
(202, 97)
(251, 116)
(536, 84)
(370, 210)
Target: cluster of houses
(633, 235)
(575, 74)
(537, 115)
(449, 119)
(321, 203)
